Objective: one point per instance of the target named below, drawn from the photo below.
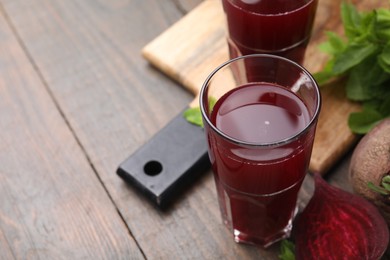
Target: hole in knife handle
(153, 168)
(167, 164)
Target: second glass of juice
(260, 114)
(279, 27)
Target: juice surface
(260, 113)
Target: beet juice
(258, 186)
(279, 27)
(260, 113)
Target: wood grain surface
(52, 204)
(195, 45)
(77, 98)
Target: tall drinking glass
(279, 27)
(260, 114)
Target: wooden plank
(88, 52)
(195, 45)
(190, 49)
(52, 204)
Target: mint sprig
(384, 189)
(363, 57)
(194, 115)
(287, 250)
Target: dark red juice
(258, 184)
(280, 27)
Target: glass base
(262, 232)
(258, 220)
(240, 237)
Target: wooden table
(76, 98)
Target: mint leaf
(384, 105)
(363, 57)
(365, 80)
(322, 77)
(386, 182)
(212, 101)
(287, 250)
(356, 89)
(353, 55)
(385, 190)
(362, 122)
(334, 45)
(384, 58)
(383, 17)
(383, 24)
(351, 20)
(194, 116)
(368, 28)
(377, 189)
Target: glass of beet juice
(260, 113)
(279, 27)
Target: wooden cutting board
(195, 45)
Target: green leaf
(386, 179)
(364, 58)
(325, 74)
(385, 66)
(368, 28)
(287, 250)
(353, 55)
(351, 20)
(326, 47)
(377, 189)
(212, 101)
(362, 122)
(356, 90)
(384, 58)
(194, 116)
(383, 17)
(334, 45)
(384, 105)
(385, 190)
(383, 24)
(372, 104)
(365, 80)
(386, 182)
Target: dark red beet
(339, 225)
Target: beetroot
(339, 225)
(370, 164)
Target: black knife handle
(168, 162)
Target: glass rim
(256, 144)
(277, 14)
